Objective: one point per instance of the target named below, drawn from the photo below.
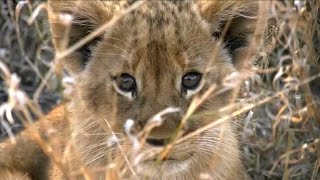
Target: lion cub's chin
(177, 162)
(165, 168)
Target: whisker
(106, 144)
(122, 151)
(85, 128)
(95, 158)
(212, 145)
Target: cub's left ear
(84, 17)
(236, 21)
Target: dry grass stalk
(283, 111)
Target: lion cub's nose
(160, 135)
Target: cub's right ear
(85, 17)
(239, 21)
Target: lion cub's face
(160, 55)
(158, 59)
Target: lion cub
(157, 57)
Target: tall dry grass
(278, 101)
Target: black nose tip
(157, 142)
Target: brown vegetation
(279, 99)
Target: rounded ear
(235, 22)
(71, 20)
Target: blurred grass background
(27, 51)
(280, 138)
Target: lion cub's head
(161, 54)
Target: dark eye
(126, 83)
(191, 80)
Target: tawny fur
(157, 43)
(13, 175)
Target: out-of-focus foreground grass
(280, 139)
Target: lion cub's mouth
(157, 142)
(173, 157)
(163, 141)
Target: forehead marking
(159, 47)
